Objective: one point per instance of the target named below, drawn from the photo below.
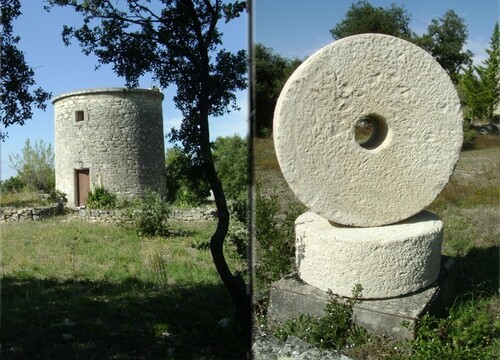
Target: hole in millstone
(370, 131)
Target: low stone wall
(39, 213)
(30, 213)
(195, 214)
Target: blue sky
(297, 28)
(293, 28)
(60, 69)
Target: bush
(231, 162)
(335, 330)
(100, 198)
(469, 137)
(186, 184)
(35, 166)
(185, 198)
(469, 332)
(12, 184)
(275, 248)
(58, 196)
(238, 235)
(151, 217)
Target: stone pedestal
(290, 297)
(375, 188)
(387, 261)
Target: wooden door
(82, 186)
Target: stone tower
(109, 137)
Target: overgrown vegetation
(34, 182)
(186, 185)
(335, 330)
(28, 198)
(471, 331)
(481, 84)
(87, 290)
(271, 72)
(468, 207)
(231, 162)
(34, 167)
(150, 216)
(275, 239)
(101, 198)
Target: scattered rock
(268, 347)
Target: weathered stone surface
(28, 214)
(120, 140)
(387, 261)
(206, 213)
(392, 177)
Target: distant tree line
(445, 40)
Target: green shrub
(335, 330)
(231, 162)
(275, 239)
(185, 179)
(57, 196)
(12, 184)
(35, 166)
(238, 236)
(469, 137)
(100, 198)
(469, 332)
(185, 198)
(150, 219)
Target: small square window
(79, 115)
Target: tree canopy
(481, 84)
(445, 40)
(489, 73)
(17, 92)
(271, 73)
(362, 18)
(232, 164)
(35, 166)
(179, 43)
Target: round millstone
(387, 261)
(376, 81)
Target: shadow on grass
(49, 319)
(478, 272)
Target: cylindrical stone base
(387, 261)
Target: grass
(74, 290)
(469, 207)
(22, 199)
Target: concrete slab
(290, 297)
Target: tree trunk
(235, 284)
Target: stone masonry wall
(195, 214)
(29, 213)
(39, 213)
(120, 140)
